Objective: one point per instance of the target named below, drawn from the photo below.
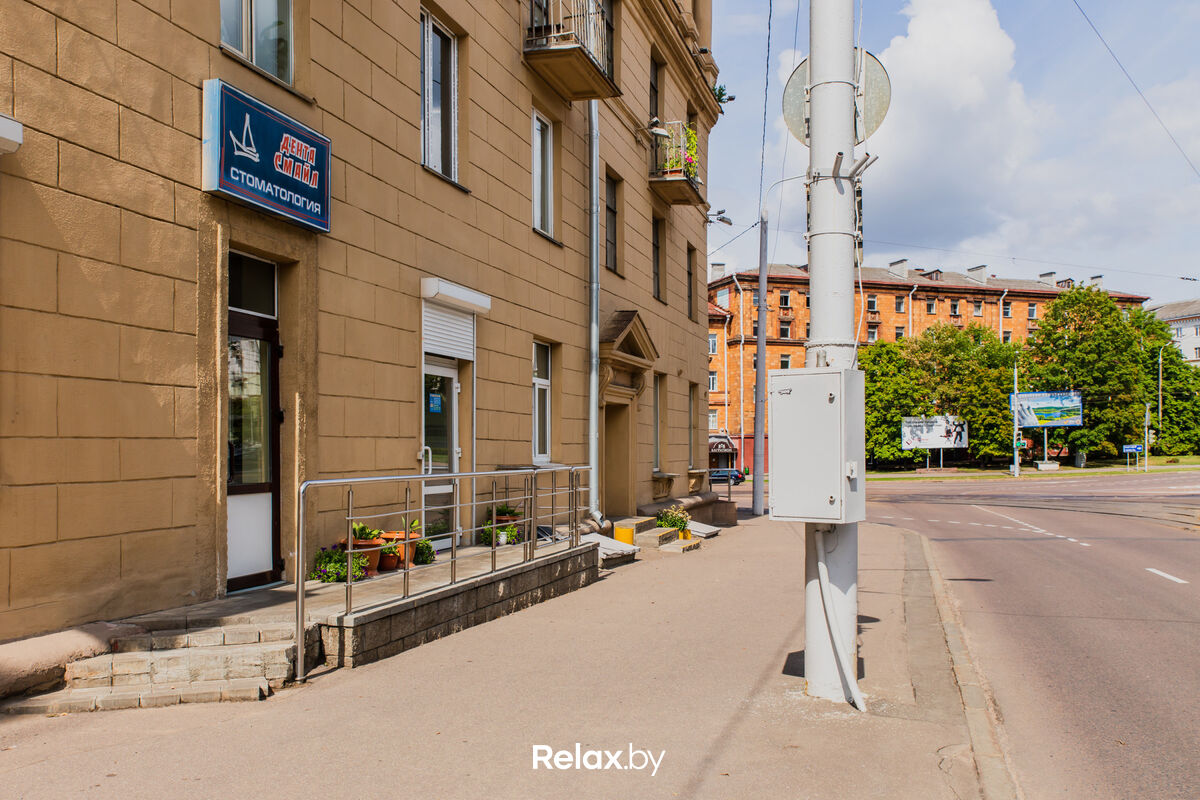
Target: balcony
(674, 172)
(569, 44)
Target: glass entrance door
(440, 449)
(252, 523)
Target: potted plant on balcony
(395, 539)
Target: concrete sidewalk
(696, 655)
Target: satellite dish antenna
(871, 101)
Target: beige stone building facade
(175, 361)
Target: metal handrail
(584, 22)
(530, 496)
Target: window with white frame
(712, 420)
(978, 307)
(872, 333)
(712, 344)
(785, 299)
(541, 401)
(1007, 336)
(1033, 310)
(1198, 352)
(785, 330)
(660, 418)
(899, 333)
(1007, 309)
(872, 303)
(543, 174)
(260, 31)
(693, 411)
(439, 97)
(954, 308)
(785, 361)
(712, 381)
(900, 304)
(931, 305)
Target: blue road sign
(261, 156)
(1133, 448)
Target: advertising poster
(932, 433)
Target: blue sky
(1013, 139)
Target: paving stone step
(639, 524)
(273, 661)
(682, 546)
(70, 701)
(656, 537)
(175, 638)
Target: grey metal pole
(1160, 389)
(593, 310)
(832, 241)
(1146, 454)
(1016, 428)
(760, 374)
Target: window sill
(250, 65)
(661, 300)
(448, 180)
(547, 236)
(611, 271)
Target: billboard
(932, 433)
(1047, 409)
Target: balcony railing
(569, 43)
(674, 174)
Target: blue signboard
(435, 403)
(1132, 448)
(263, 157)
(1047, 409)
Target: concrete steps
(681, 546)
(656, 537)
(75, 700)
(176, 660)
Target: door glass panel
(438, 423)
(251, 285)
(249, 415)
(543, 421)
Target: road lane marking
(1084, 544)
(1162, 574)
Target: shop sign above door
(261, 156)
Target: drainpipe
(594, 312)
(910, 314)
(725, 357)
(741, 373)
(1000, 324)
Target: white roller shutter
(447, 331)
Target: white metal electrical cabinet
(817, 445)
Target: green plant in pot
(330, 566)
(506, 513)
(367, 537)
(425, 553)
(675, 517)
(390, 556)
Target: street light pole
(1160, 387)
(760, 373)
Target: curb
(996, 780)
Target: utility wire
(762, 163)
(788, 139)
(734, 239)
(1137, 89)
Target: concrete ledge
(387, 629)
(39, 663)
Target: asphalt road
(1085, 622)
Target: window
(1198, 352)
(785, 330)
(261, 32)
(723, 298)
(1033, 310)
(660, 418)
(978, 307)
(543, 174)
(754, 298)
(785, 299)
(899, 334)
(785, 361)
(1007, 337)
(654, 69)
(954, 308)
(871, 303)
(754, 329)
(754, 363)
(712, 420)
(656, 265)
(899, 304)
(712, 344)
(439, 98)
(807, 329)
(931, 305)
(1197, 330)
(541, 401)
(712, 381)
(806, 299)
(691, 282)
(693, 393)
(872, 333)
(610, 224)
(1007, 309)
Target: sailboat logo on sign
(245, 147)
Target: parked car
(725, 476)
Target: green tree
(1180, 430)
(1085, 343)
(892, 393)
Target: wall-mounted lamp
(656, 129)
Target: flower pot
(372, 555)
(388, 561)
(407, 553)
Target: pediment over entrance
(625, 349)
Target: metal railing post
(349, 550)
(404, 534)
(301, 563)
(495, 525)
(553, 503)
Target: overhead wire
(1137, 89)
(734, 239)
(787, 139)
(762, 163)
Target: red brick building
(894, 302)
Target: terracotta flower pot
(388, 561)
(372, 555)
